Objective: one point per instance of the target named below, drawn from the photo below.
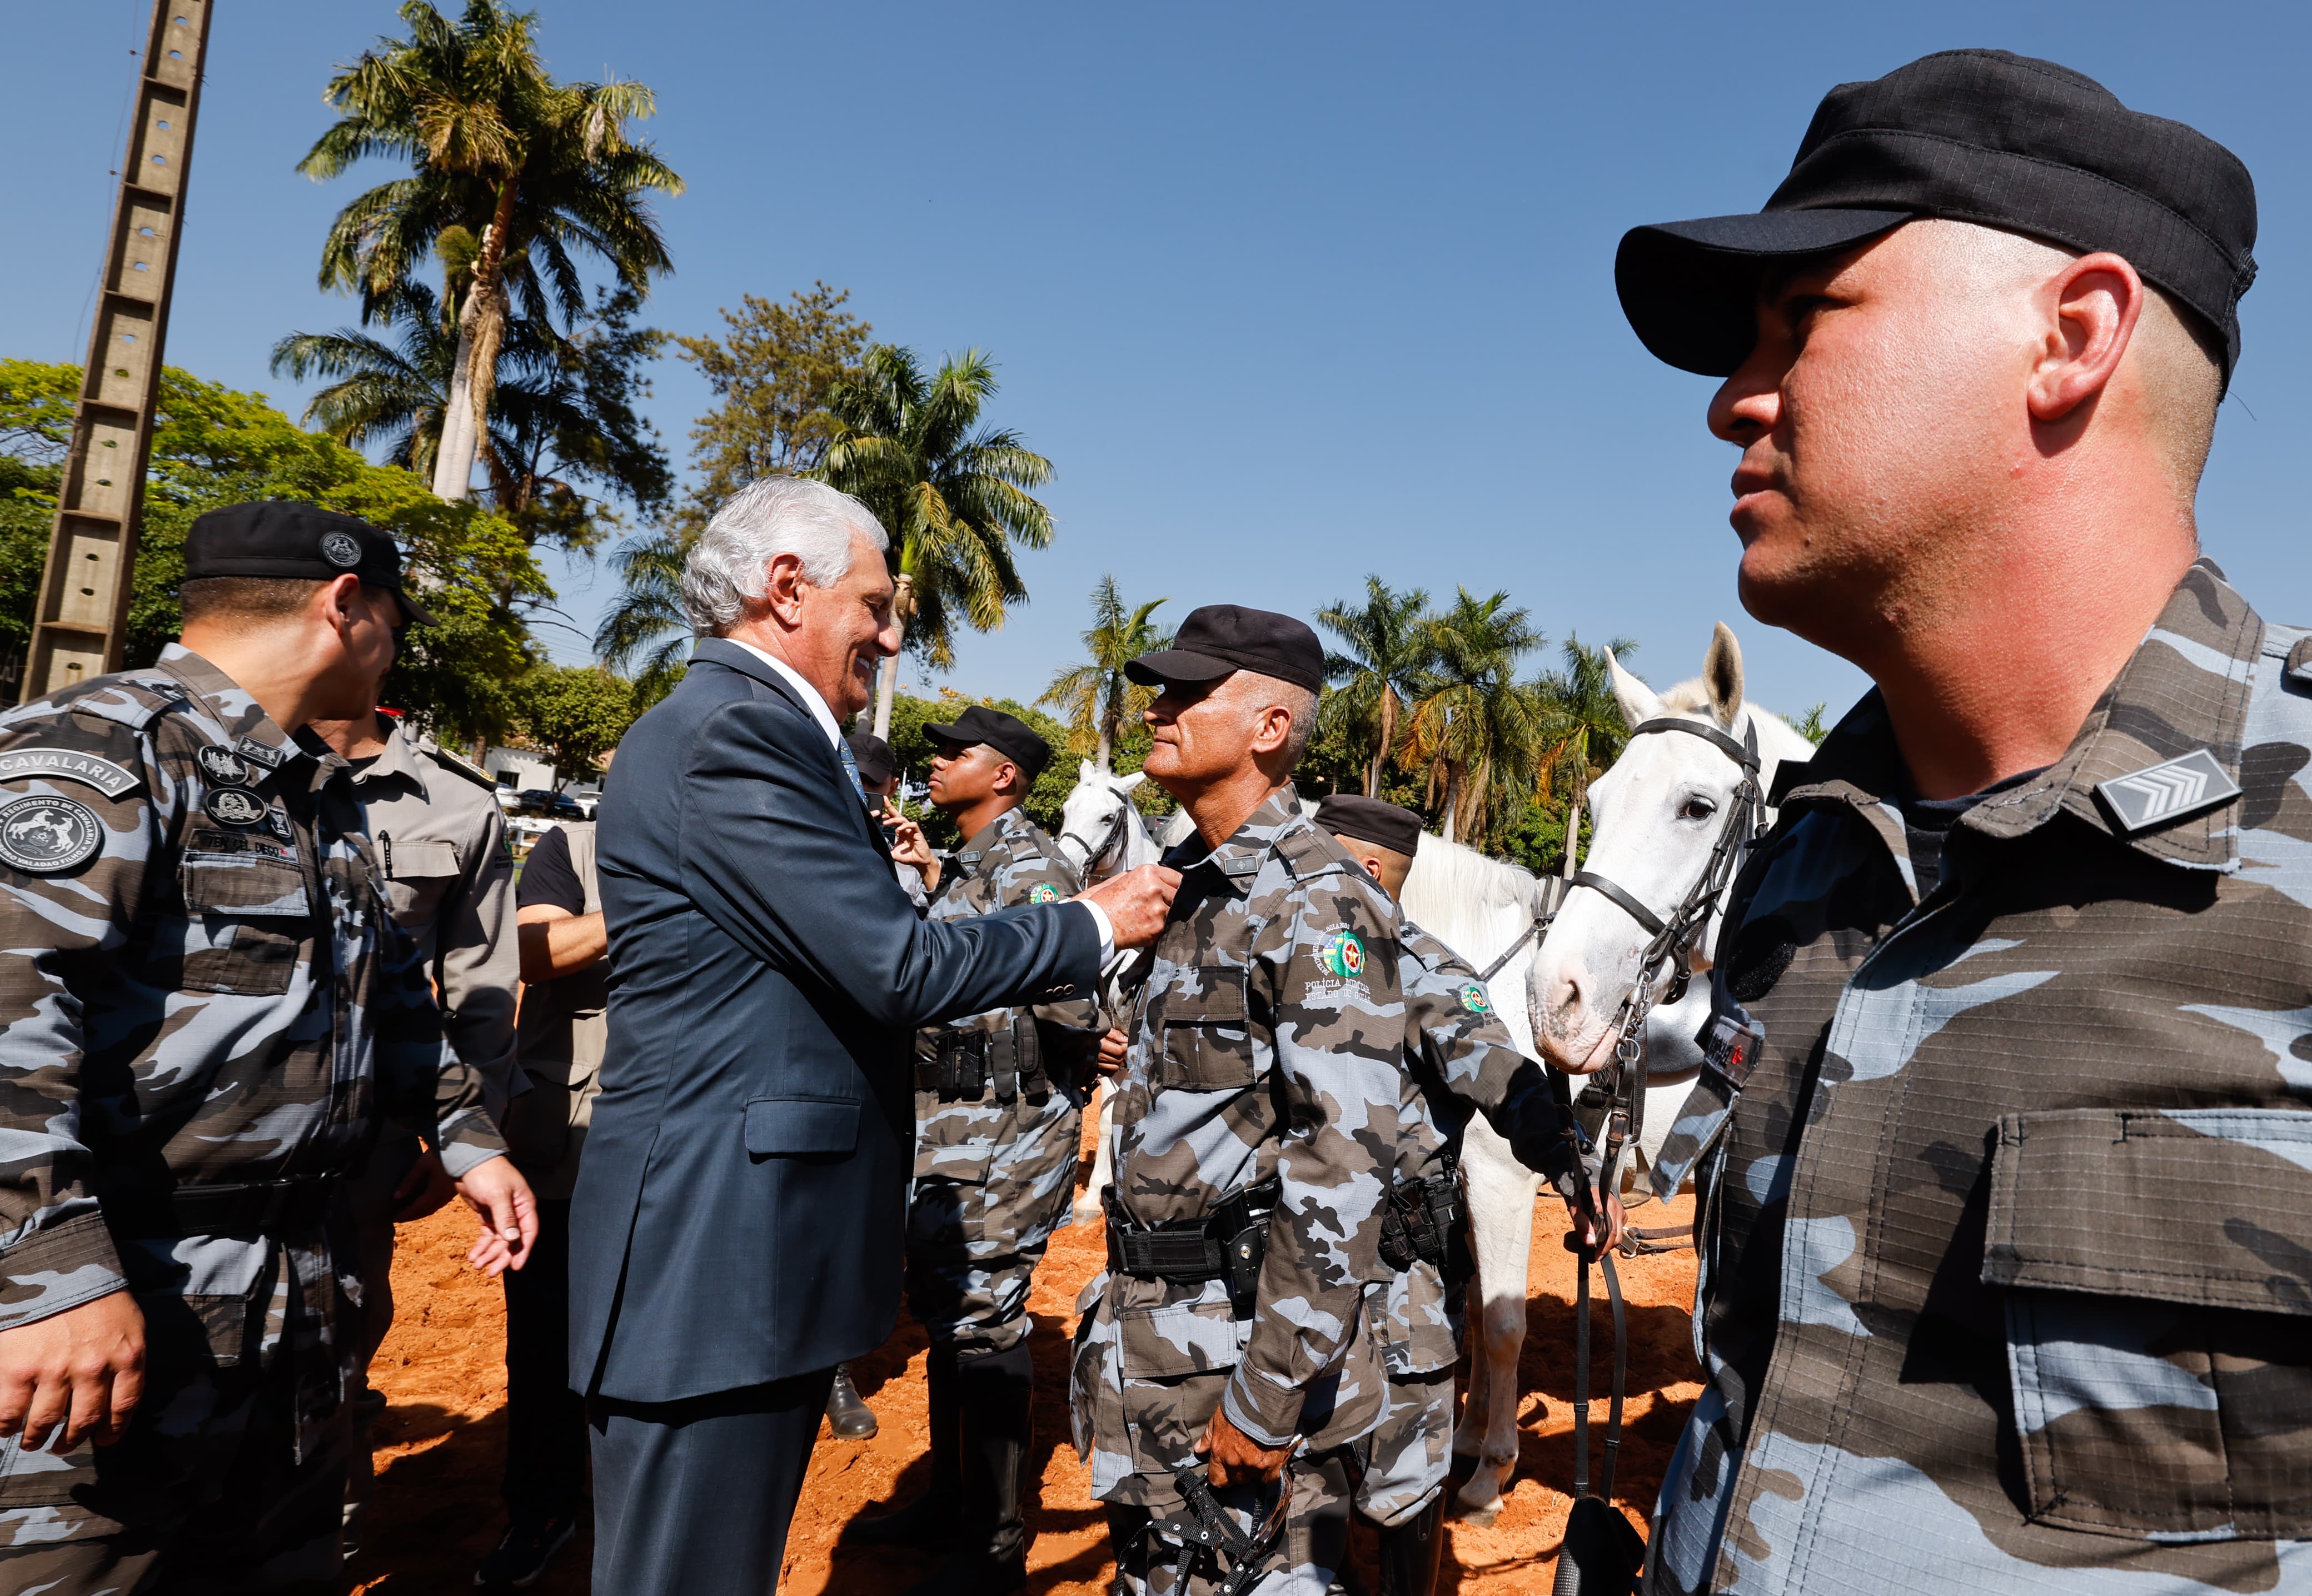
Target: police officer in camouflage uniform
(440, 836)
(209, 1011)
(1255, 1135)
(2005, 1139)
(999, 1104)
(1460, 1060)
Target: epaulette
(1310, 850)
(453, 762)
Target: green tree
(511, 171)
(913, 748)
(1582, 728)
(214, 446)
(1387, 644)
(954, 500)
(1096, 698)
(771, 374)
(1809, 725)
(575, 713)
(1474, 725)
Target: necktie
(851, 768)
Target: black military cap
(1008, 735)
(1967, 135)
(873, 756)
(1384, 825)
(1220, 638)
(283, 538)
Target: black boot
(1409, 1551)
(991, 1557)
(850, 1418)
(928, 1522)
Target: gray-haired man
(736, 1228)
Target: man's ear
(2092, 308)
(783, 585)
(336, 601)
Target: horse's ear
(1722, 675)
(1639, 703)
(1084, 772)
(1132, 781)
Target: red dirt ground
(436, 1510)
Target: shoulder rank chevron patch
(2159, 793)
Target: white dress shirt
(825, 716)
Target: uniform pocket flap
(247, 883)
(1218, 999)
(414, 860)
(1185, 1339)
(783, 1127)
(2210, 1207)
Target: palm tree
(1097, 698)
(1582, 729)
(953, 500)
(1474, 723)
(564, 415)
(645, 632)
(513, 172)
(1389, 646)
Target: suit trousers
(694, 1497)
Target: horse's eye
(1696, 809)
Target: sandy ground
(436, 1509)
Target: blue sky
(1287, 292)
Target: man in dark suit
(737, 1227)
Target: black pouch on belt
(1027, 1047)
(1003, 1063)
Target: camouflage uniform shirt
(1460, 1060)
(200, 987)
(996, 1169)
(1268, 1040)
(2006, 1266)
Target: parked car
(550, 805)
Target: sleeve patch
(63, 764)
(1344, 955)
(49, 835)
(1043, 892)
(1474, 999)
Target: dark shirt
(1927, 821)
(548, 877)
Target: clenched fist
(1136, 903)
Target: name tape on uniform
(63, 764)
(2160, 793)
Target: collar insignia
(2158, 794)
(264, 753)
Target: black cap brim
(949, 733)
(419, 615)
(1177, 664)
(1690, 289)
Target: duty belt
(258, 1207)
(1227, 1244)
(964, 1063)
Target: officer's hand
(82, 1369)
(907, 844)
(1136, 903)
(509, 1213)
(1112, 1047)
(1585, 1231)
(1232, 1452)
(423, 1190)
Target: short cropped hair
(754, 526)
(244, 600)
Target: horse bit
(1671, 937)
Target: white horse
(1103, 833)
(1655, 817)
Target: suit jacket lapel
(720, 652)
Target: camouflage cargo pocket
(246, 918)
(1208, 1034)
(1410, 1324)
(1176, 1362)
(2158, 1268)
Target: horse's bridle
(1113, 838)
(1746, 818)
